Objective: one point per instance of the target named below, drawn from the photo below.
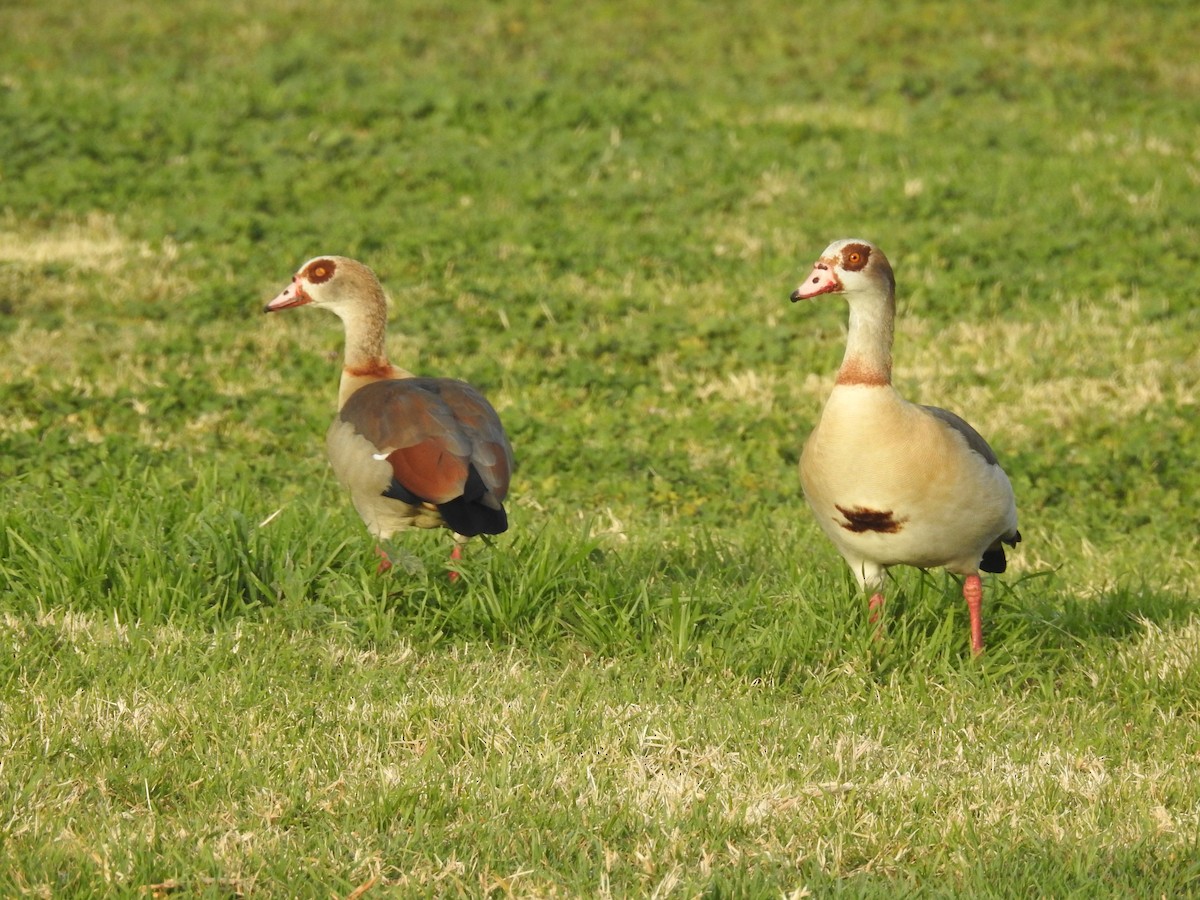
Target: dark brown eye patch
(855, 256)
(319, 270)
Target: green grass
(661, 681)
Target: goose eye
(320, 271)
(855, 257)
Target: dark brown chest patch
(860, 519)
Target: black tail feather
(469, 514)
(471, 517)
(993, 557)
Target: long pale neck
(365, 323)
(868, 358)
(366, 353)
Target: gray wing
(974, 439)
(993, 558)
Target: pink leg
(973, 594)
(384, 562)
(455, 554)
(875, 616)
(875, 605)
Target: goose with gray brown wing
(413, 452)
(890, 482)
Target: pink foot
(973, 594)
(384, 562)
(455, 554)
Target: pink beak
(292, 295)
(821, 280)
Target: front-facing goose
(413, 452)
(891, 482)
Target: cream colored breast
(891, 483)
(366, 478)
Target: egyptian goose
(890, 482)
(413, 452)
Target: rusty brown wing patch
(434, 432)
(860, 519)
(429, 471)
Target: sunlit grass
(661, 681)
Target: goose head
(337, 283)
(852, 267)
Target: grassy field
(661, 681)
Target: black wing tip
(397, 491)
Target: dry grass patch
(93, 243)
(1166, 655)
(1039, 372)
(259, 746)
(825, 115)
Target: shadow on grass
(1116, 613)
(1032, 612)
